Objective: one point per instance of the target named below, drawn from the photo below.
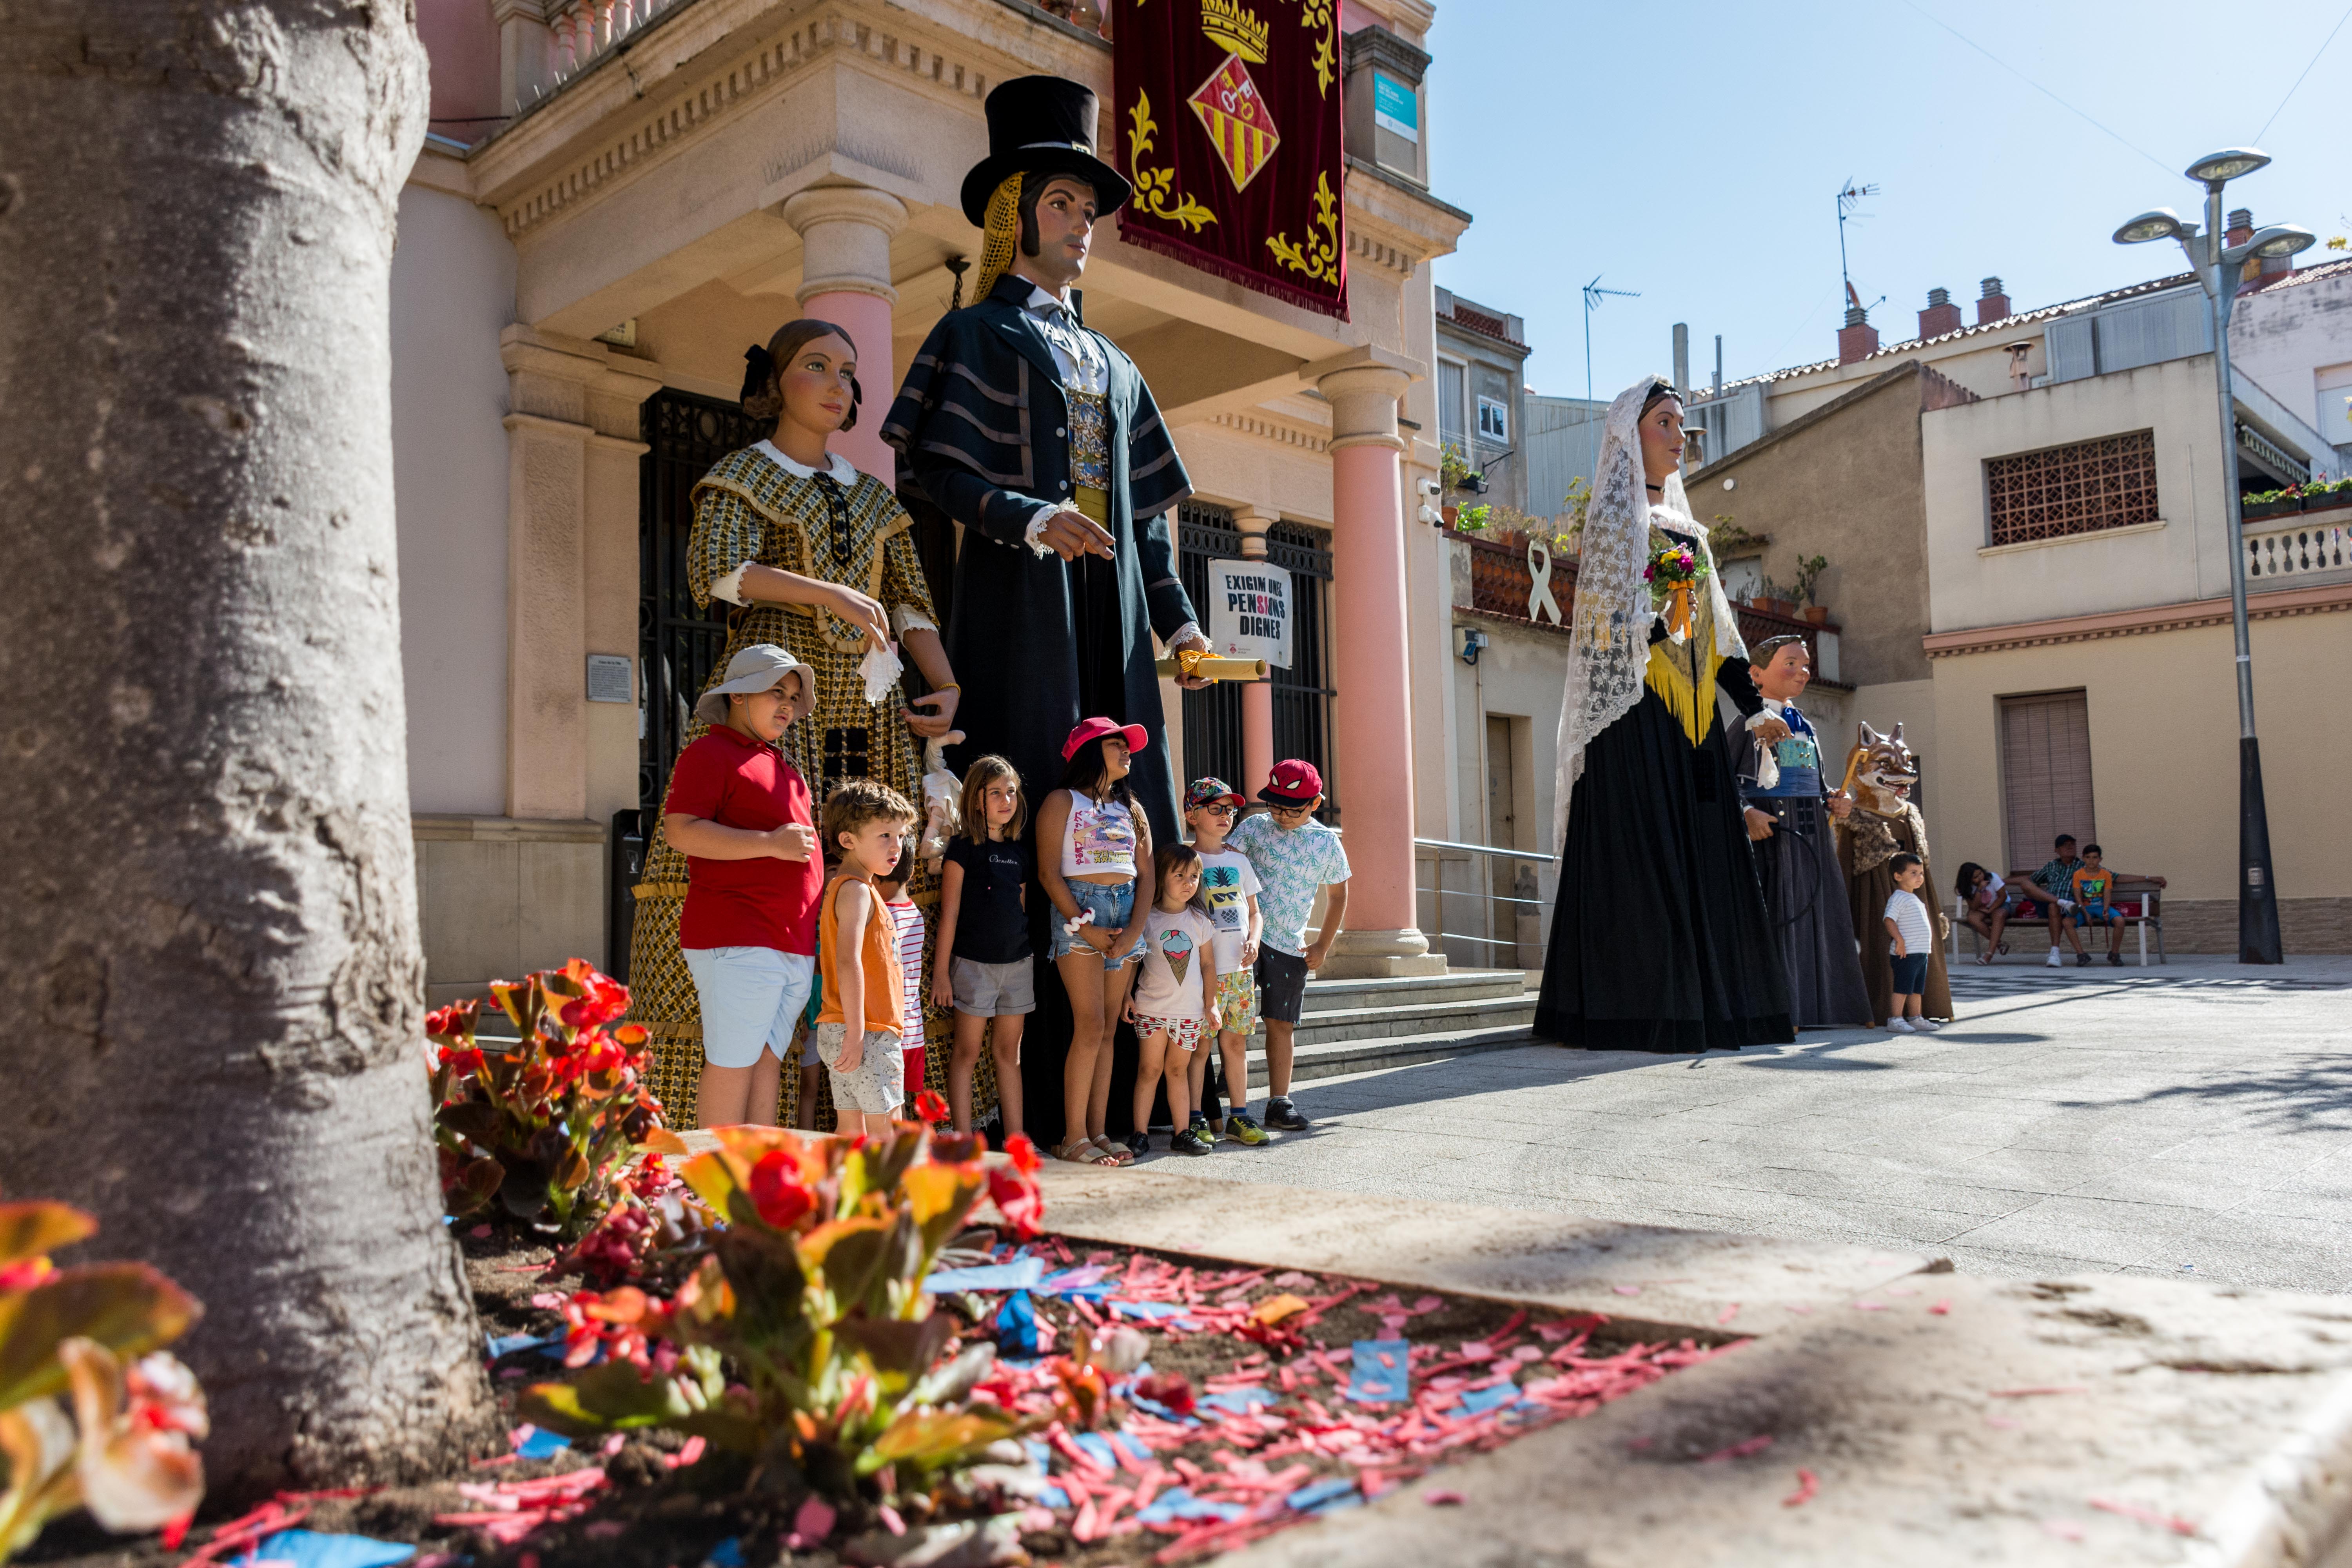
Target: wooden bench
(2140, 904)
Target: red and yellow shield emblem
(1237, 120)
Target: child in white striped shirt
(1908, 932)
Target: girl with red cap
(1094, 859)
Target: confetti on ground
(1382, 1371)
(1626, 1289)
(2064, 1528)
(1021, 1274)
(1753, 1445)
(1809, 1487)
(507, 1344)
(1870, 1306)
(1941, 1308)
(2003, 1422)
(1727, 1313)
(1441, 1497)
(2143, 1514)
(810, 1525)
(530, 1443)
(2034, 1393)
(309, 1548)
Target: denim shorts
(1112, 905)
(750, 998)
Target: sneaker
(1241, 1129)
(2115, 958)
(2082, 961)
(1898, 1026)
(1200, 1123)
(1924, 1025)
(1282, 1116)
(1138, 1143)
(2056, 962)
(1191, 1141)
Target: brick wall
(2211, 925)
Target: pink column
(1370, 656)
(845, 233)
(1257, 697)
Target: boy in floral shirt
(1294, 855)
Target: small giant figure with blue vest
(1040, 437)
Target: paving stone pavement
(2190, 1120)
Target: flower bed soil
(1267, 1357)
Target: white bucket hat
(756, 668)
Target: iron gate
(678, 644)
(1302, 694)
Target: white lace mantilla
(1609, 631)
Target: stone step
(1419, 1018)
(1349, 995)
(1333, 1057)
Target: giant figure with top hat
(1040, 437)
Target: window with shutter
(1449, 405)
(2045, 773)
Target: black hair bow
(759, 369)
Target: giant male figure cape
(1040, 642)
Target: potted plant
(1773, 598)
(1809, 579)
(2323, 495)
(2270, 503)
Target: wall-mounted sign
(1250, 611)
(1396, 107)
(609, 678)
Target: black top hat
(1046, 125)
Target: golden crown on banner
(1234, 24)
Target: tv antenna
(1593, 299)
(1849, 199)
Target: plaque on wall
(609, 678)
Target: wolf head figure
(1880, 771)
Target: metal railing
(1440, 893)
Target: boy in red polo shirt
(742, 816)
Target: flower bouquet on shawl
(1673, 575)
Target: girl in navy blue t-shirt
(981, 964)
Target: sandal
(1112, 1154)
(1081, 1151)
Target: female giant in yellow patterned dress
(817, 557)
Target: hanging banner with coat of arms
(1227, 120)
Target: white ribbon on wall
(1539, 597)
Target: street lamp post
(2216, 266)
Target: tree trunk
(210, 982)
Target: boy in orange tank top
(860, 1026)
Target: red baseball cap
(1292, 783)
(1135, 737)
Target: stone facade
(599, 220)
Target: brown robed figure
(1883, 823)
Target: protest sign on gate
(1250, 611)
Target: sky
(1694, 153)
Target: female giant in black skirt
(1660, 940)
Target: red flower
(602, 998)
(1017, 1198)
(777, 1190)
(929, 1107)
(1023, 1153)
(454, 1020)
